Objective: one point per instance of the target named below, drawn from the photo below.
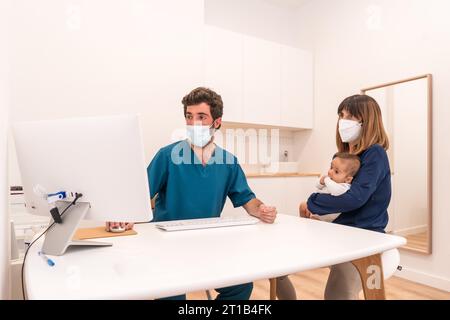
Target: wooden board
(99, 232)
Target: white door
(296, 88)
(224, 69)
(262, 81)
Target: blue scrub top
(188, 190)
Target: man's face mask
(200, 135)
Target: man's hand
(126, 225)
(256, 208)
(267, 214)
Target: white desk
(157, 264)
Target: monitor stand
(59, 237)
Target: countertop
(282, 175)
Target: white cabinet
(295, 191)
(262, 81)
(268, 190)
(224, 70)
(296, 88)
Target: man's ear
(348, 180)
(218, 123)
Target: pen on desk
(47, 259)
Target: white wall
(359, 43)
(273, 20)
(4, 106)
(82, 58)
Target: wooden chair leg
(273, 289)
(370, 270)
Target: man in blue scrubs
(193, 178)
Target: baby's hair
(353, 160)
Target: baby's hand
(322, 180)
(303, 210)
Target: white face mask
(199, 136)
(349, 130)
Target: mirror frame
(429, 78)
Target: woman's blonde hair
(366, 109)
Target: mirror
(406, 106)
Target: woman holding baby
(360, 132)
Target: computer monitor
(100, 157)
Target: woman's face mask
(349, 130)
(200, 135)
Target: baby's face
(338, 171)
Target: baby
(338, 181)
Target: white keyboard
(192, 224)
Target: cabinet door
(262, 81)
(297, 190)
(224, 69)
(268, 190)
(285, 194)
(296, 88)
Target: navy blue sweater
(365, 204)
